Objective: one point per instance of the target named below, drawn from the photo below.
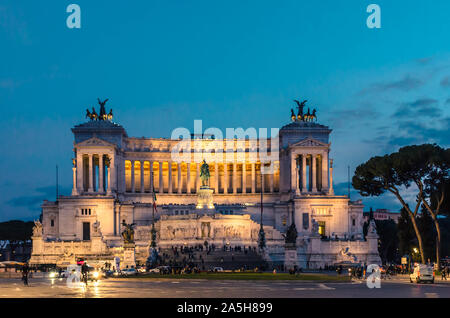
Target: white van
(422, 273)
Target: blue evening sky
(163, 64)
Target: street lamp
(154, 254)
(261, 235)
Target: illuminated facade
(114, 177)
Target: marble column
(74, 187)
(216, 177)
(244, 178)
(188, 176)
(179, 180)
(101, 188)
(314, 173)
(225, 178)
(111, 176)
(161, 178)
(133, 184)
(80, 173)
(234, 178)
(253, 178)
(293, 173)
(108, 182)
(151, 176)
(197, 179)
(170, 176)
(271, 177)
(325, 171)
(142, 177)
(91, 177)
(304, 189)
(331, 190)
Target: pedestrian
(444, 273)
(84, 272)
(25, 271)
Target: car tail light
(418, 274)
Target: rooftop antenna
(57, 186)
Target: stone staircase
(228, 260)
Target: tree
(16, 233)
(405, 233)
(427, 228)
(435, 187)
(410, 165)
(388, 240)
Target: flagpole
(153, 234)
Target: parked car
(217, 269)
(129, 272)
(422, 273)
(164, 269)
(154, 270)
(108, 273)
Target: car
(53, 274)
(129, 272)
(217, 269)
(422, 273)
(164, 269)
(154, 270)
(142, 270)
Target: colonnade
(171, 177)
(93, 173)
(309, 172)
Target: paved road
(44, 287)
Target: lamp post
(153, 257)
(153, 231)
(261, 235)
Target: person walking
(84, 272)
(25, 271)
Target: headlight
(96, 274)
(52, 275)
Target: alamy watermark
(374, 19)
(373, 274)
(238, 146)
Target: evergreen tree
(388, 241)
(405, 233)
(427, 228)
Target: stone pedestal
(290, 256)
(97, 245)
(129, 256)
(373, 257)
(205, 198)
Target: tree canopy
(426, 166)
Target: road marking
(323, 286)
(319, 287)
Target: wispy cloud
(445, 82)
(423, 107)
(406, 84)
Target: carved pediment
(96, 142)
(309, 142)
